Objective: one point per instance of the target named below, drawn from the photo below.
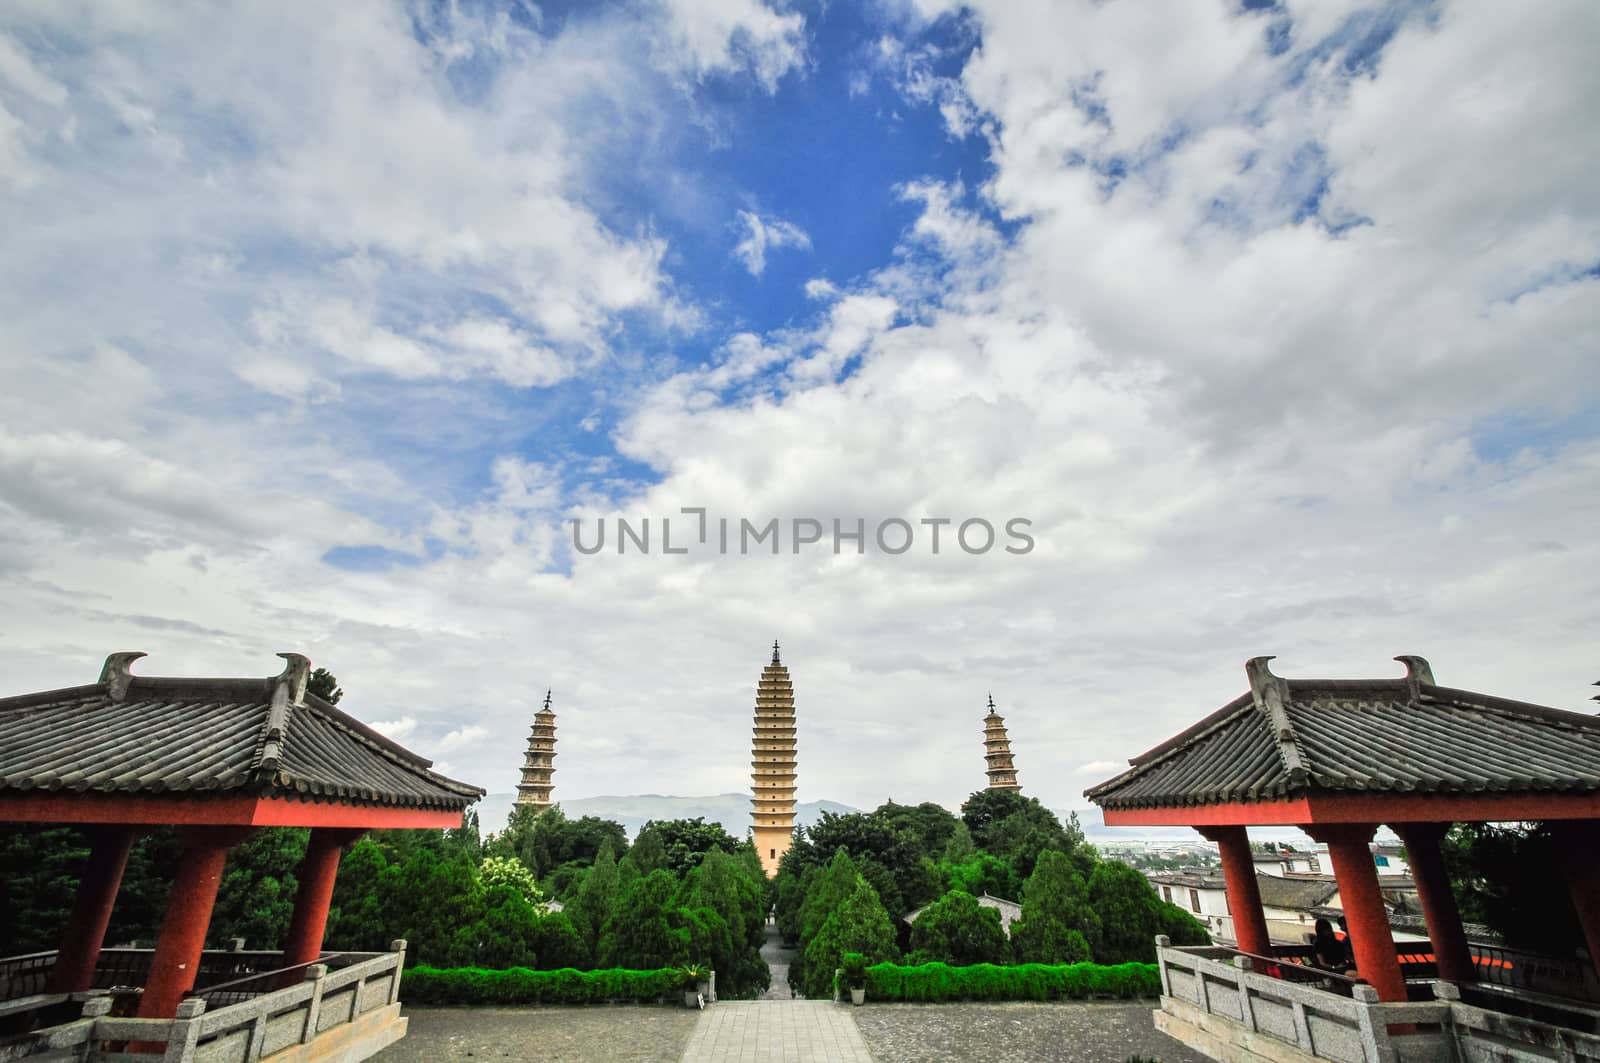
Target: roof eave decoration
(1287, 739)
(270, 738)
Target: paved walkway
(618, 1034)
(1016, 1033)
(789, 1031)
(777, 1031)
(777, 958)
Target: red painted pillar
(188, 917)
(1450, 949)
(1578, 842)
(1244, 896)
(1373, 942)
(85, 931)
(313, 894)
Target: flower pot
(691, 998)
(858, 997)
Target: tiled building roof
(1289, 737)
(265, 737)
(1300, 893)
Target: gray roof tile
(1363, 736)
(209, 735)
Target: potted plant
(855, 976)
(691, 977)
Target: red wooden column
(1244, 896)
(1373, 942)
(188, 917)
(1450, 949)
(85, 931)
(313, 894)
(1578, 842)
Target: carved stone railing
(25, 976)
(325, 1003)
(1217, 1000)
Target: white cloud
(460, 737)
(1105, 768)
(763, 234)
(709, 36)
(1239, 424)
(399, 730)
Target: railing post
(185, 1032)
(1247, 1011)
(1375, 1044)
(398, 945)
(96, 1008)
(314, 974)
(1163, 942)
(258, 1038)
(1302, 1027)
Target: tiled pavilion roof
(268, 737)
(1288, 738)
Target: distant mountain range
(634, 810)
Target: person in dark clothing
(1349, 943)
(1330, 951)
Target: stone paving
(778, 959)
(789, 1031)
(1016, 1033)
(777, 1031)
(550, 1035)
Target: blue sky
(1277, 321)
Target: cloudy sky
(320, 324)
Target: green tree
(858, 924)
(501, 936)
(1056, 914)
(1501, 877)
(505, 871)
(323, 684)
(256, 898)
(357, 920)
(960, 847)
(983, 873)
(685, 842)
(956, 929)
(430, 897)
(648, 853)
(547, 842)
(557, 943)
(639, 932)
(826, 890)
(42, 865)
(1130, 914)
(597, 894)
(732, 889)
(928, 827)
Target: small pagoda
(1001, 770)
(773, 760)
(539, 762)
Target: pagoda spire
(538, 763)
(772, 755)
(1001, 770)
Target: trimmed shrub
(518, 985)
(934, 983)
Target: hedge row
(519, 985)
(938, 982)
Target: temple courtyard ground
(784, 1031)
